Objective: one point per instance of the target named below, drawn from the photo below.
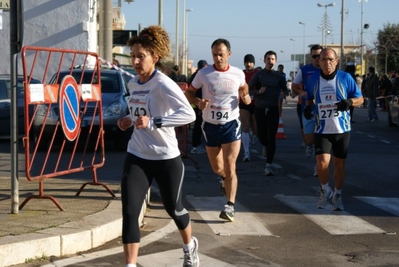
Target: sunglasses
(315, 56)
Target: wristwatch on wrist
(158, 121)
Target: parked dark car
(5, 104)
(114, 106)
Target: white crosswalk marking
(209, 208)
(388, 204)
(174, 258)
(334, 222)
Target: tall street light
(361, 38)
(326, 23)
(184, 52)
(186, 42)
(294, 56)
(177, 34)
(304, 52)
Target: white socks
(324, 186)
(245, 139)
(189, 246)
(131, 265)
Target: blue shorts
(308, 125)
(217, 135)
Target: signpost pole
(16, 24)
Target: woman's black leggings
(137, 178)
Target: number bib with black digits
(219, 114)
(138, 106)
(328, 111)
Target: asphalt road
(277, 222)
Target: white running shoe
(325, 195)
(268, 170)
(337, 203)
(315, 171)
(309, 151)
(264, 151)
(191, 258)
(198, 150)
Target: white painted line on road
(334, 222)
(385, 203)
(245, 222)
(174, 258)
(169, 228)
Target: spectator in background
(351, 69)
(363, 88)
(174, 73)
(197, 132)
(371, 92)
(384, 90)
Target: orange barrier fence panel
(64, 131)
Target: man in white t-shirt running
(222, 85)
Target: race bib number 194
(219, 113)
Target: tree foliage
(388, 47)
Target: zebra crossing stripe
(390, 205)
(209, 209)
(174, 258)
(334, 222)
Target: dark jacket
(372, 84)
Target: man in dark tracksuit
(270, 85)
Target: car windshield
(19, 86)
(109, 81)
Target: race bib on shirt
(328, 111)
(219, 114)
(138, 106)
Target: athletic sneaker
(246, 157)
(227, 213)
(337, 203)
(198, 150)
(325, 195)
(268, 170)
(309, 151)
(315, 170)
(264, 152)
(191, 258)
(222, 187)
(253, 139)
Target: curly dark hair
(153, 38)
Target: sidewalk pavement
(40, 229)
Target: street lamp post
(304, 51)
(361, 38)
(325, 26)
(294, 56)
(177, 34)
(185, 43)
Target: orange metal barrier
(63, 117)
(181, 131)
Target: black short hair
(270, 52)
(316, 47)
(221, 41)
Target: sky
(256, 26)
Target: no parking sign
(69, 103)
